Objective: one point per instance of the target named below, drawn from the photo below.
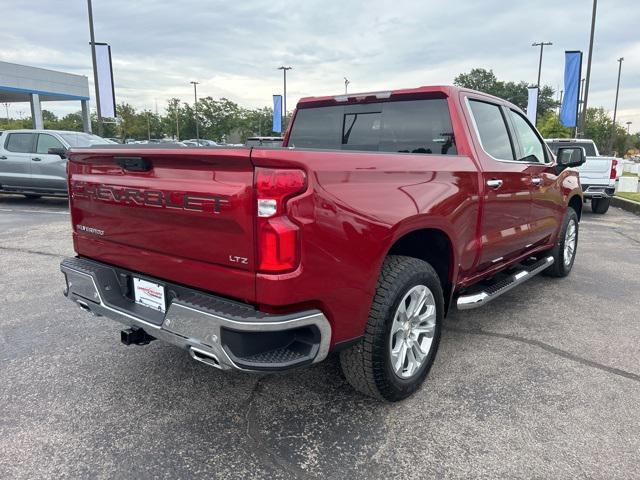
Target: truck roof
(444, 90)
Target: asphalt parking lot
(542, 383)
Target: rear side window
(20, 142)
(46, 141)
(492, 130)
(415, 126)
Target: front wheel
(600, 205)
(564, 251)
(402, 334)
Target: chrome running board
(478, 299)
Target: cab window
(492, 130)
(20, 142)
(532, 149)
(46, 141)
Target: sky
(233, 48)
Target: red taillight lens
(614, 169)
(278, 236)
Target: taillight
(614, 169)
(278, 237)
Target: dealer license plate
(149, 294)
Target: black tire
(560, 267)
(367, 365)
(31, 196)
(600, 205)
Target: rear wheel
(402, 334)
(600, 205)
(564, 251)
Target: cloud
(234, 48)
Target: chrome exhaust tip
(205, 357)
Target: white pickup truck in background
(598, 174)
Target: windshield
(81, 139)
(589, 147)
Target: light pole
(346, 83)
(615, 105)
(195, 106)
(541, 45)
(581, 97)
(95, 68)
(628, 126)
(586, 85)
(284, 96)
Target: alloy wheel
(412, 331)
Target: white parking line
(19, 210)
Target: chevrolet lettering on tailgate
(149, 198)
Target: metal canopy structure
(21, 83)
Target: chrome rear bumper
(216, 331)
(598, 191)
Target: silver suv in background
(598, 174)
(33, 162)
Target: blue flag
(277, 113)
(572, 72)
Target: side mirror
(571, 156)
(61, 152)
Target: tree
(71, 121)
(49, 120)
(171, 121)
(486, 81)
(218, 117)
(257, 122)
(550, 127)
(133, 124)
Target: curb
(628, 205)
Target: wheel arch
(576, 203)
(434, 246)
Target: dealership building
(20, 83)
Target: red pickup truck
(380, 212)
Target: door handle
(494, 183)
(36, 159)
(3, 157)
(536, 180)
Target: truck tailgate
(596, 171)
(184, 215)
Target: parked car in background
(264, 142)
(386, 210)
(598, 175)
(33, 162)
(115, 139)
(203, 142)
